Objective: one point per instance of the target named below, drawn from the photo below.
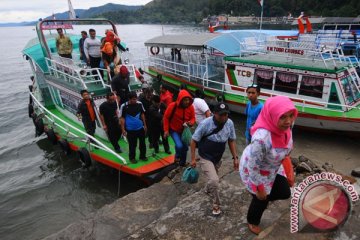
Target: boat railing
(53, 118)
(232, 89)
(66, 68)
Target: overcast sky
(32, 10)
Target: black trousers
(280, 190)
(154, 136)
(95, 63)
(114, 134)
(90, 127)
(65, 55)
(133, 137)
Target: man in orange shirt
(86, 112)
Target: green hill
(190, 11)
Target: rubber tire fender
(39, 125)
(65, 146)
(30, 110)
(51, 136)
(84, 156)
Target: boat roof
(226, 42)
(307, 64)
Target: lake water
(42, 191)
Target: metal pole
(262, 11)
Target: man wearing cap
(211, 137)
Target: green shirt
(64, 45)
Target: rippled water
(42, 191)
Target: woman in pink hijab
(260, 164)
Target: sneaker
(133, 161)
(156, 150)
(167, 151)
(118, 150)
(144, 159)
(216, 211)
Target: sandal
(216, 211)
(254, 228)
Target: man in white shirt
(202, 110)
(92, 50)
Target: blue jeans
(180, 147)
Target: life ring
(30, 110)
(39, 125)
(84, 157)
(51, 136)
(65, 146)
(156, 52)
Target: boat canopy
(226, 42)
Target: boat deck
(141, 168)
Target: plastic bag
(186, 135)
(190, 175)
(289, 170)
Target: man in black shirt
(133, 126)
(120, 83)
(110, 120)
(86, 112)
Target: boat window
(311, 86)
(334, 97)
(329, 27)
(351, 92)
(343, 27)
(285, 82)
(355, 27)
(264, 79)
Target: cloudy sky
(32, 10)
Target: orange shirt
(90, 109)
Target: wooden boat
(322, 82)
(55, 94)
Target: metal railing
(69, 126)
(65, 68)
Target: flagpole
(262, 11)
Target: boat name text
(285, 50)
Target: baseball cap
(221, 108)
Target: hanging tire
(84, 156)
(51, 136)
(159, 77)
(65, 146)
(30, 110)
(39, 125)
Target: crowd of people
(93, 51)
(155, 118)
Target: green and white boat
(322, 82)
(55, 94)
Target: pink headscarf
(269, 116)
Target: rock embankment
(172, 209)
